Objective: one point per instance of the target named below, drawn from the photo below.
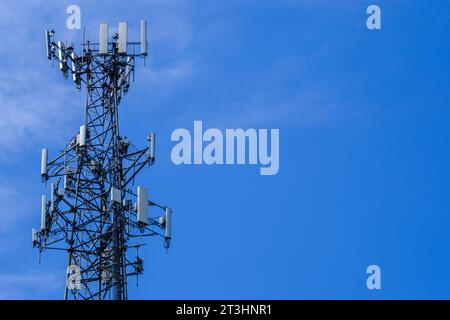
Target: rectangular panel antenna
(142, 205)
(116, 195)
(168, 223)
(48, 43)
(123, 34)
(43, 212)
(61, 55)
(66, 182)
(83, 132)
(143, 37)
(44, 159)
(34, 235)
(104, 32)
(151, 149)
(52, 197)
(75, 75)
(128, 70)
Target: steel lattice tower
(94, 212)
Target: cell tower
(94, 212)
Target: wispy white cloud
(37, 107)
(30, 113)
(33, 105)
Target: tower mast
(94, 212)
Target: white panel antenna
(104, 32)
(75, 75)
(123, 35)
(52, 197)
(116, 195)
(44, 159)
(66, 182)
(129, 69)
(143, 37)
(61, 56)
(142, 205)
(168, 222)
(68, 178)
(83, 133)
(48, 42)
(151, 147)
(43, 212)
(34, 236)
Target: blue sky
(364, 158)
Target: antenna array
(93, 211)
